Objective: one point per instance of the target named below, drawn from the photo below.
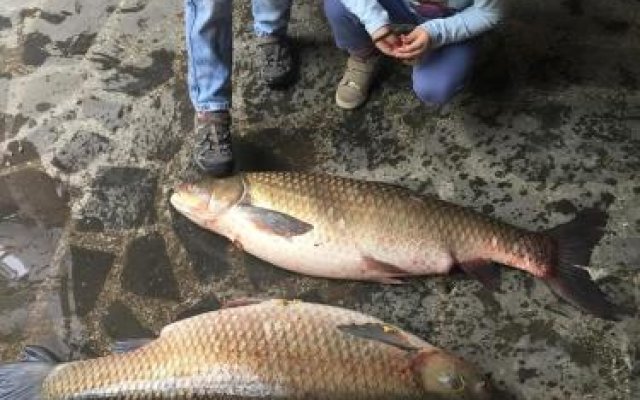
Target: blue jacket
(471, 18)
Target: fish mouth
(189, 199)
(178, 203)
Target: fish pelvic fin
(385, 273)
(23, 380)
(568, 280)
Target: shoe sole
(218, 170)
(348, 106)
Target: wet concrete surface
(95, 128)
(33, 213)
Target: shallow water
(95, 127)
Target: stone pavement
(95, 129)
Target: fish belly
(325, 256)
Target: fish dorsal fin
(34, 353)
(379, 332)
(127, 345)
(275, 222)
(170, 327)
(240, 302)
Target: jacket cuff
(376, 23)
(436, 38)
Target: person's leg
(208, 34)
(438, 76)
(350, 35)
(271, 18)
(209, 49)
(348, 32)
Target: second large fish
(335, 227)
(276, 350)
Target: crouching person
(438, 37)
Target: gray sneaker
(353, 89)
(212, 152)
(276, 60)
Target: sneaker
(212, 152)
(353, 89)
(276, 60)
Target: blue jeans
(437, 76)
(210, 45)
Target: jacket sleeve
(478, 18)
(369, 12)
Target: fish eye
(452, 382)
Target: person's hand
(386, 41)
(414, 44)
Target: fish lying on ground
(274, 349)
(336, 227)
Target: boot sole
(216, 170)
(349, 106)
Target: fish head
(448, 377)
(205, 201)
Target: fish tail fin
(576, 240)
(23, 380)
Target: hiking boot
(353, 89)
(276, 61)
(212, 152)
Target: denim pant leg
(440, 75)
(348, 31)
(209, 48)
(271, 17)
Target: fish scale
(335, 227)
(273, 349)
(420, 225)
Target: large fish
(275, 349)
(336, 227)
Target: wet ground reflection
(33, 213)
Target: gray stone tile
(147, 269)
(120, 323)
(122, 198)
(89, 270)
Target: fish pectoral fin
(384, 272)
(275, 222)
(487, 272)
(379, 332)
(127, 345)
(34, 353)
